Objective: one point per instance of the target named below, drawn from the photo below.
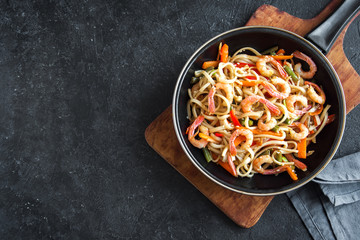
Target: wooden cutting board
(246, 210)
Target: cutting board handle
(327, 32)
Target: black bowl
(262, 38)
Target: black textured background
(79, 83)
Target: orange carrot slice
(224, 53)
(282, 57)
(302, 149)
(318, 110)
(291, 173)
(229, 166)
(281, 51)
(208, 64)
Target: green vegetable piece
(291, 73)
(276, 129)
(242, 121)
(287, 121)
(267, 152)
(270, 50)
(278, 157)
(207, 154)
(250, 122)
(296, 119)
(284, 159)
(194, 80)
(209, 69)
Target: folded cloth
(341, 170)
(344, 194)
(322, 219)
(329, 205)
(307, 203)
(340, 180)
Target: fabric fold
(340, 180)
(322, 219)
(329, 205)
(341, 194)
(341, 170)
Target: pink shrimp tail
(274, 109)
(232, 146)
(272, 92)
(309, 61)
(195, 124)
(281, 70)
(211, 101)
(191, 133)
(304, 57)
(296, 162)
(302, 111)
(248, 101)
(273, 171)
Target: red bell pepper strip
(251, 77)
(241, 64)
(330, 119)
(234, 118)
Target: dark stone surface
(79, 83)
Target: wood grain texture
(349, 78)
(268, 15)
(242, 209)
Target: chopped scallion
(207, 154)
(268, 51)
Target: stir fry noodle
(256, 112)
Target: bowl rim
(342, 106)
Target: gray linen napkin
(329, 206)
(340, 180)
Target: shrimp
(266, 126)
(191, 134)
(265, 70)
(308, 60)
(266, 159)
(304, 131)
(211, 102)
(285, 88)
(240, 132)
(204, 130)
(296, 162)
(250, 100)
(320, 99)
(228, 91)
(290, 104)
